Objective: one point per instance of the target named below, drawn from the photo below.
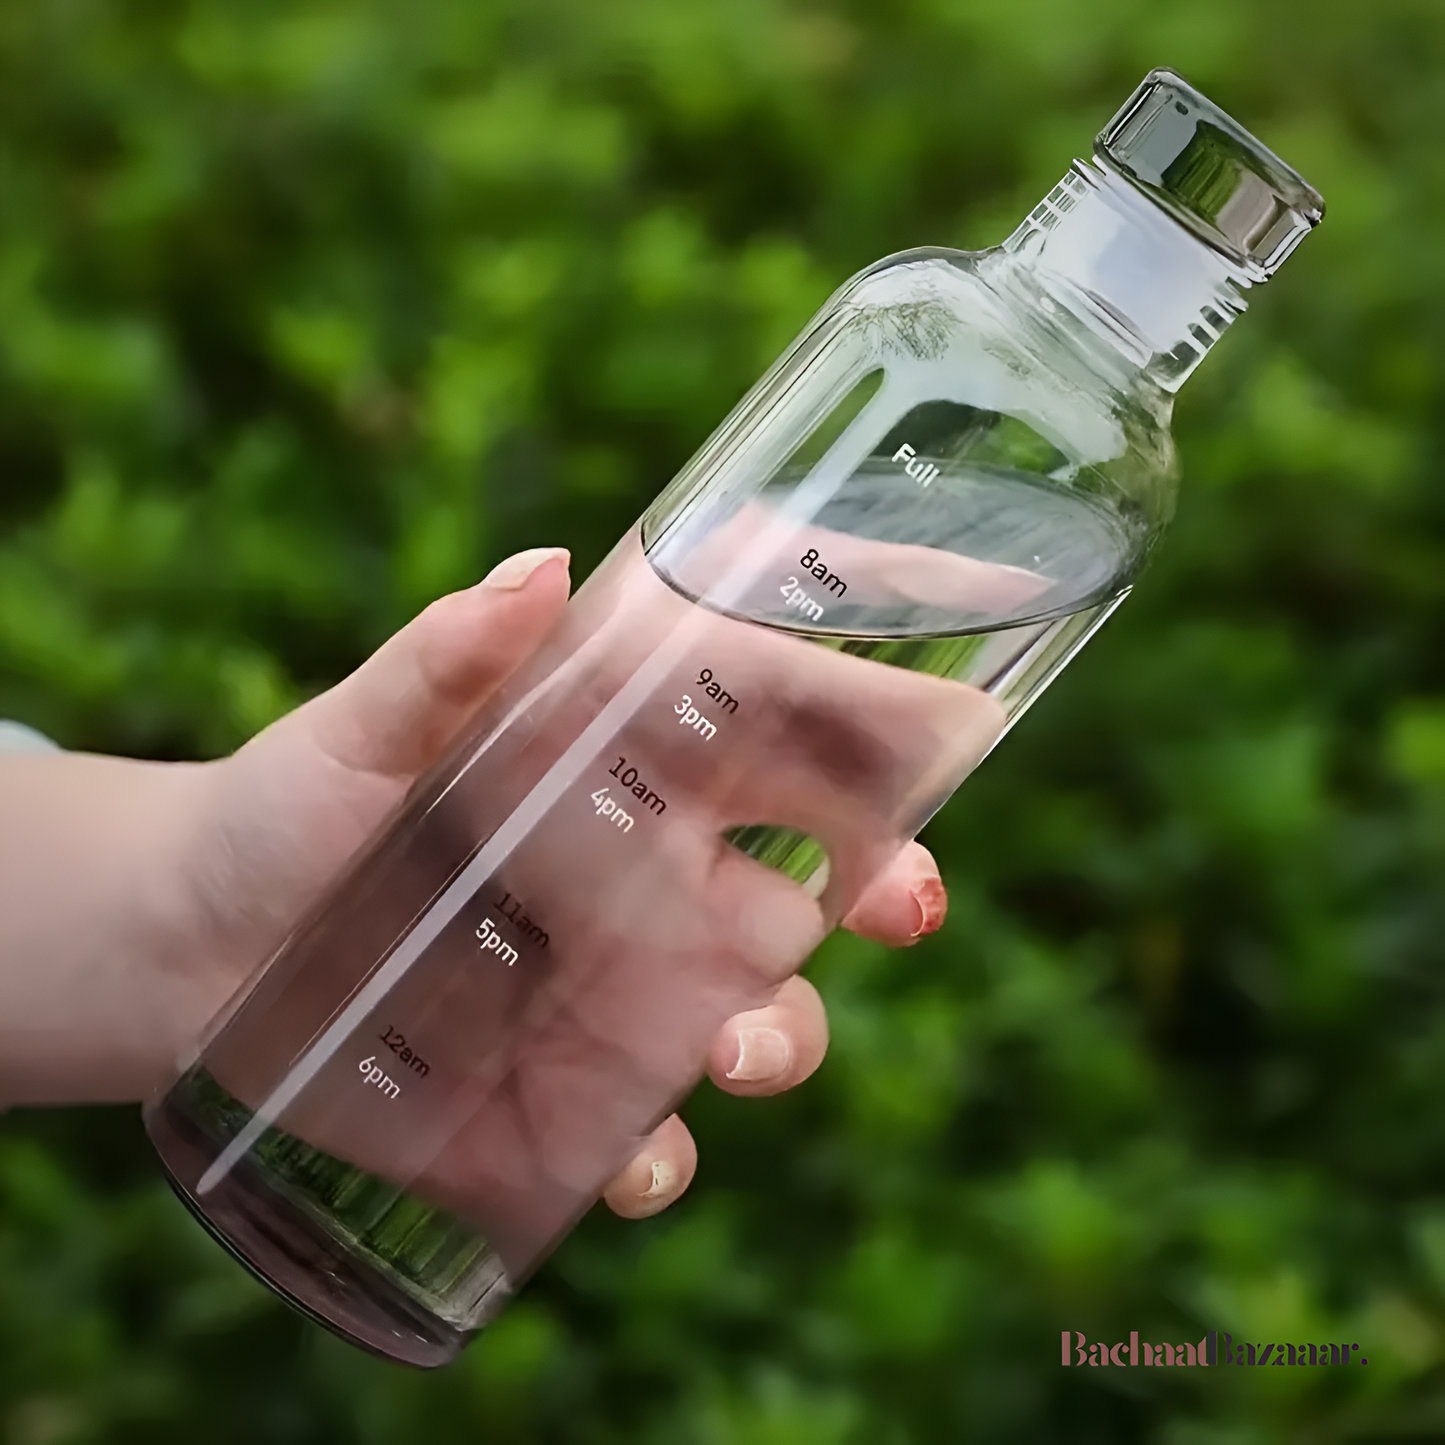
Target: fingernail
(659, 1194)
(664, 1181)
(511, 574)
(930, 899)
(762, 1054)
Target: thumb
(287, 810)
(400, 710)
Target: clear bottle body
(753, 703)
(821, 627)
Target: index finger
(906, 902)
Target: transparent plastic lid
(1209, 173)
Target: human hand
(292, 806)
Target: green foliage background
(310, 311)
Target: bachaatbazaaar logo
(1214, 1349)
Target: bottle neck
(1101, 248)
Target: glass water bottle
(879, 560)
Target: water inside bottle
(455, 1117)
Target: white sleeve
(17, 738)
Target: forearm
(99, 991)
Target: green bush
(310, 311)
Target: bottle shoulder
(968, 326)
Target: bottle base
(285, 1246)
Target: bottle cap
(1210, 174)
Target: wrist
(101, 978)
